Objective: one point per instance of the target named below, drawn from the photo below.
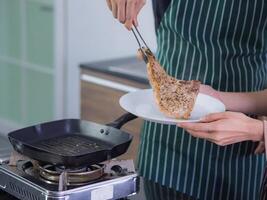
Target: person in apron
(222, 43)
(228, 128)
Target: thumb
(135, 21)
(260, 148)
(214, 117)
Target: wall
(93, 34)
(26, 63)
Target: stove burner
(52, 174)
(22, 178)
(61, 168)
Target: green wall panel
(39, 97)
(10, 28)
(40, 33)
(17, 80)
(10, 92)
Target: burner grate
(49, 173)
(72, 145)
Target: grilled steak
(175, 98)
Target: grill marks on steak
(175, 98)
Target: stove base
(25, 187)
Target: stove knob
(117, 169)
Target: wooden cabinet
(100, 94)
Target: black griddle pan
(72, 142)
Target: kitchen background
(42, 45)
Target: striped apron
(222, 43)
(263, 192)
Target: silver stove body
(5, 149)
(23, 186)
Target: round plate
(142, 104)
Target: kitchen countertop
(148, 191)
(130, 68)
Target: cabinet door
(39, 22)
(101, 104)
(10, 29)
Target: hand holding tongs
(144, 49)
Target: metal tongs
(144, 49)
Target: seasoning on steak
(175, 98)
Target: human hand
(226, 128)
(208, 90)
(126, 11)
(260, 148)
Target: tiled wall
(26, 61)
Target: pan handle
(118, 123)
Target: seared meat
(175, 98)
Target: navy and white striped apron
(222, 43)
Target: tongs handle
(139, 34)
(136, 32)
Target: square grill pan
(70, 142)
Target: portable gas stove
(31, 180)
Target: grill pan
(73, 142)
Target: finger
(121, 11)
(208, 90)
(224, 138)
(220, 138)
(138, 8)
(211, 137)
(130, 9)
(114, 8)
(205, 89)
(208, 136)
(109, 4)
(215, 116)
(260, 148)
(203, 127)
(200, 134)
(135, 22)
(226, 142)
(128, 24)
(130, 13)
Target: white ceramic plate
(142, 104)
